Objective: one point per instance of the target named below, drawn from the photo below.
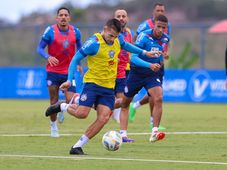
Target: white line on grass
(76, 134)
(112, 159)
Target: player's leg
(104, 105)
(156, 93)
(53, 93)
(119, 92)
(124, 119)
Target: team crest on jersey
(111, 53)
(83, 97)
(65, 43)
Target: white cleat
(54, 134)
(157, 136)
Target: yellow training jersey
(102, 67)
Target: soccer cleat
(159, 128)
(125, 139)
(76, 151)
(52, 109)
(54, 133)
(61, 117)
(132, 113)
(157, 136)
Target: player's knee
(157, 99)
(83, 114)
(103, 119)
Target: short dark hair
(158, 4)
(59, 9)
(161, 18)
(115, 24)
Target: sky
(12, 10)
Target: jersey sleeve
(48, 35)
(90, 47)
(142, 27)
(78, 38)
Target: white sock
(154, 130)
(81, 142)
(64, 107)
(136, 105)
(116, 114)
(151, 120)
(123, 133)
(53, 125)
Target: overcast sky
(12, 10)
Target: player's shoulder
(92, 41)
(76, 29)
(165, 37)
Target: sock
(154, 130)
(81, 142)
(151, 120)
(53, 125)
(136, 105)
(123, 133)
(64, 107)
(116, 114)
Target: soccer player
(145, 72)
(102, 51)
(123, 59)
(62, 40)
(158, 9)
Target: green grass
(27, 117)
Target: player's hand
(165, 55)
(52, 61)
(153, 54)
(64, 86)
(155, 67)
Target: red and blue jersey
(123, 57)
(61, 45)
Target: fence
(18, 44)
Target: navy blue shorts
(94, 94)
(136, 82)
(56, 79)
(120, 85)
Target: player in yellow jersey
(102, 51)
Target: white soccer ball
(112, 140)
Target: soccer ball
(111, 140)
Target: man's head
(159, 9)
(63, 17)
(161, 24)
(122, 16)
(111, 30)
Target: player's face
(121, 15)
(158, 10)
(63, 18)
(159, 28)
(109, 35)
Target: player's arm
(133, 49)
(78, 38)
(47, 38)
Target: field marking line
(144, 133)
(112, 159)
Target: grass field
(25, 142)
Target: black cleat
(53, 109)
(76, 151)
